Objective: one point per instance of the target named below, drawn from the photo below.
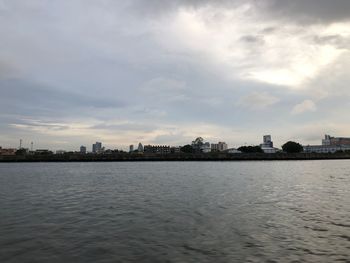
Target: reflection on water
(175, 212)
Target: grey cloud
(334, 40)
(309, 11)
(298, 11)
(251, 39)
(144, 127)
(27, 97)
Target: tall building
(97, 147)
(267, 142)
(267, 145)
(82, 149)
(140, 148)
(131, 148)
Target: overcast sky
(73, 72)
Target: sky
(73, 72)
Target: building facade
(82, 149)
(218, 147)
(326, 148)
(8, 151)
(329, 145)
(267, 145)
(158, 149)
(97, 147)
(140, 148)
(329, 140)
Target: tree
(250, 149)
(187, 149)
(292, 147)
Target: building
(329, 145)
(326, 148)
(60, 152)
(131, 148)
(82, 149)
(7, 152)
(267, 145)
(205, 148)
(218, 147)
(329, 140)
(97, 147)
(43, 152)
(158, 149)
(175, 149)
(140, 148)
(233, 151)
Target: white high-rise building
(97, 147)
(267, 145)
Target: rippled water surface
(175, 212)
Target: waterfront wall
(171, 157)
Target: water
(175, 212)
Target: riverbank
(126, 157)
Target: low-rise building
(329, 145)
(158, 149)
(325, 148)
(233, 151)
(218, 147)
(7, 151)
(175, 149)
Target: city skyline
(79, 72)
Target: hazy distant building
(60, 152)
(267, 145)
(140, 148)
(158, 149)
(218, 147)
(82, 149)
(329, 140)
(175, 149)
(205, 148)
(9, 151)
(97, 147)
(329, 145)
(267, 142)
(131, 148)
(233, 150)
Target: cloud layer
(73, 72)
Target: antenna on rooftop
(20, 143)
(31, 146)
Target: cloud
(155, 70)
(310, 11)
(258, 101)
(305, 106)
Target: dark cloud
(298, 11)
(309, 11)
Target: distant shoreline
(126, 157)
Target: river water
(276, 211)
